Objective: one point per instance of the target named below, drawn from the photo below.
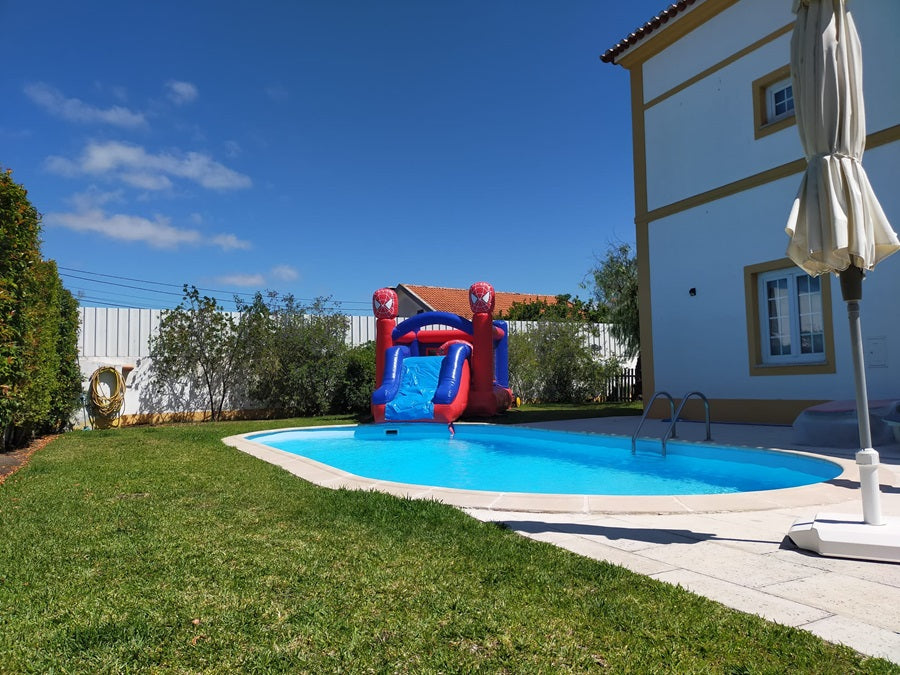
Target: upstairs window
(773, 102)
(779, 101)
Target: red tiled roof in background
(456, 300)
(639, 34)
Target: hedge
(40, 382)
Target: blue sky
(320, 148)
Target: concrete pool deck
(735, 553)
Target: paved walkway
(743, 559)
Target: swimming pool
(495, 459)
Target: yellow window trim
(754, 348)
(762, 127)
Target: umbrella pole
(867, 457)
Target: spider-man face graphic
(384, 303)
(481, 298)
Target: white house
(717, 164)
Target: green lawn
(160, 549)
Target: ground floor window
(791, 317)
(789, 320)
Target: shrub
(39, 376)
(299, 356)
(355, 392)
(551, 363)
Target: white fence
(120, 338)
(118, 333)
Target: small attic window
(773, 102)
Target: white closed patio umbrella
(836, 223)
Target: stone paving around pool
(743, 558)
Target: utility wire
(155, 283)
(333, 304)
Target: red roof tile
(456, 300)
(639, 34)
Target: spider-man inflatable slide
(440, 374)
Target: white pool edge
(330, 477)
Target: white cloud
(181, 92)
(146, 181)
(135, 166)
(94, 197)
(157, 232)
(243, 280)
(76, 110)
(229, 242)
(284, 273)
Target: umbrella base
(841, 535)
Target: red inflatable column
(481, 392)
(384, 306)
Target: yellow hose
(107, 408)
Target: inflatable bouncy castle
(437, 366)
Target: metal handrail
(646, 412)
(671, 429)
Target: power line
(155, 283)
(108, 303)
(333, 304)
(113, 283)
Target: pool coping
(828, 492)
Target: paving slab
(880, 573)
(749, 600)
(729, 564)
(846, 596)
(858, 635)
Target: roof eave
(633, 40)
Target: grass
(160, 549)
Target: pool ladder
(675, 414)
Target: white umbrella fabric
(836, 220)
(836, 223)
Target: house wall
(713, 117)
(711, 199)
(409, 304)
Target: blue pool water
(508, 459)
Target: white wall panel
(719, 38)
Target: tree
(39, 376)
(551, 363)
(614, 285)
(354, 395)
(565, 308)
(299, 355)
(201, 345)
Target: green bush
(299, 356)
(551, 363)
(355, 392)
(39, 376)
